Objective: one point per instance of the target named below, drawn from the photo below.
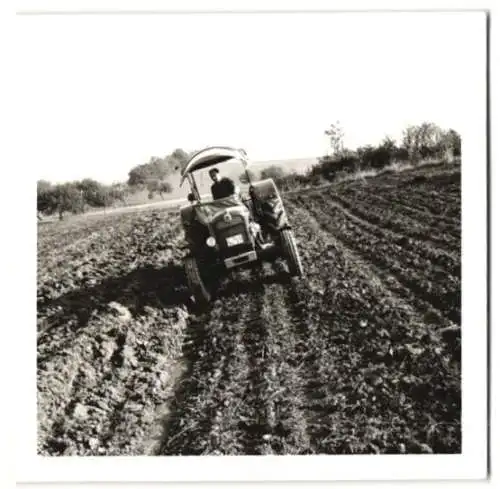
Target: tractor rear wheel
(291, 253)
(195, 281)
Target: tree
(177, 160)
(118, 191)
(423, 141)
(456, 142)
(389, 144)
(365, 156)
(164, 188)
(157, 168)
(336, 136)
(43, 185)
(43, 196)
(158, 187)
(452, 144)
(94, 193)
(66, 197)
(380, 156)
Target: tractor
(241, 230)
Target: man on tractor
(222, 187)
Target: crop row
(435, 196)
(432, 262)
(397, 217)
(242, 393)
(380, 370)
(443, 202)
(417, 250)
(436, 286)
(443, 250)
(201, 418)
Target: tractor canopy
(210, 157)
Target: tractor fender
(187, 219)
(187, 214)
(264, 189)
(268, 204)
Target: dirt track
(363, 356)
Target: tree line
(418, 142)
(76, 197)
(79, 196)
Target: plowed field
(361, 356)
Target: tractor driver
(222, 186)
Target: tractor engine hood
(207, 212)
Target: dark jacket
(223, 188)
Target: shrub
(94, 194)
(331, 165)
(275, 172)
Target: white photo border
(471, 464)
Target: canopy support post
(194, 187)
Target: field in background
(362, 356)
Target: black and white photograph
(251, 240)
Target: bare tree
(336, 135)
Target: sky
(98, 95)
